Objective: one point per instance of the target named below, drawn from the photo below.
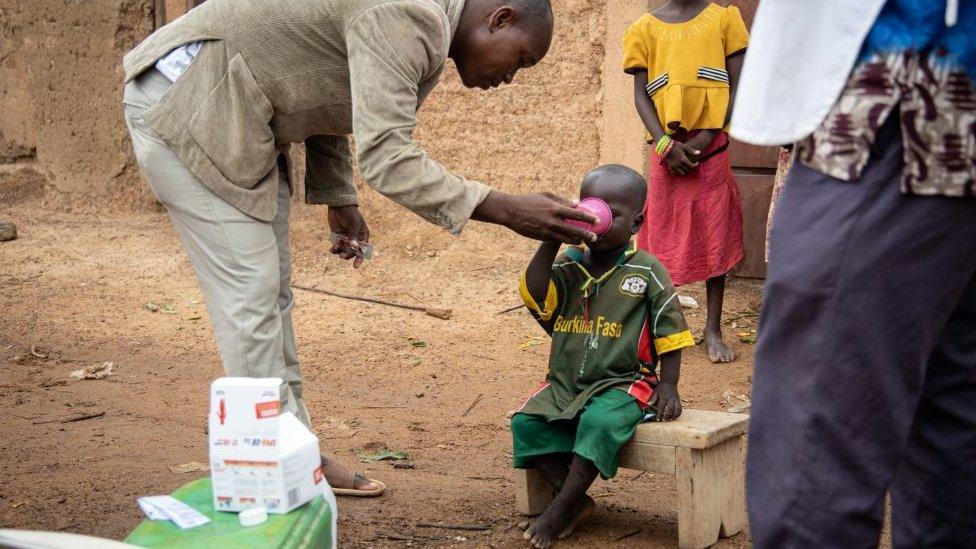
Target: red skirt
(693, 223)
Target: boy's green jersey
(606, 332)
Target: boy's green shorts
(607, 423)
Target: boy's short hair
(625, 175)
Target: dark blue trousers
(865, 375)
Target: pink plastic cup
(598, 208)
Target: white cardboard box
(259, 456)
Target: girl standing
(686, 58)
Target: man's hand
(683, 158)
(668, 401)
(348, 222)
(539, 216)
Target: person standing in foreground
(213, 99)
(865, 376)
(685, 58)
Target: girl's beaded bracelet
(667, 151)
(662, 143)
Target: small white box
(260, 456)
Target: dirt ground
(74, 286)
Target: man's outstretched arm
(392, 48)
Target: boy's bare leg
(718, 351)
(553, 469)
(569, 503)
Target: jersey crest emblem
(634, 286)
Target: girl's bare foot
(718, 351)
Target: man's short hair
(535, 11)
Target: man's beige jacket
(275, 72)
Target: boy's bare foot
(718, 351)
(589, 506)
(557, 521)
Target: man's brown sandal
(340, 475)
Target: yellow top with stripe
(685, 64)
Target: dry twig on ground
(443, 314)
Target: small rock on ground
(8, 231)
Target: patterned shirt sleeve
(669, 330)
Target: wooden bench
(704, 450)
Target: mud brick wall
(61, 86)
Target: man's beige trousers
(243, 265)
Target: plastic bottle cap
(253, 516)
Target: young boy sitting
(613, 316)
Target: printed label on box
(267, 409)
